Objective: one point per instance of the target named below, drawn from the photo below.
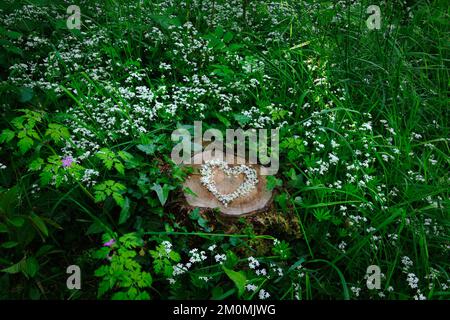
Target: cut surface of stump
(254, 201)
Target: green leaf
(100, 196)
(161, 192)
(238, 278)
(3, 228)
(39, 223)
(16, 221)
(281, 199)
(13, 34)
(273, 182)
(119, 199)
(25, 94)
(25, 144)
(228, 37)
(6, 136)
(57, 132)
(15, 268)
(242, 119)
(119, 167)
(31, 267)
(120, 296)
(125, 212)
(103, 288)
(36, 164)
(148, 149)
(222, 119)
(46, 177)
(9, 244)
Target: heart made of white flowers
(207, 179)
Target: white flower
(412, 280)
(356, 291)
(207, 180)
(263, 294)
(251, 287)
(206, 279)
(167, 246)
(342, 246)
(220, 258)
(253, 263)
(261, 272)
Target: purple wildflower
(67, 161)
(109, 243)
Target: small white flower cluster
(261, 272)
(89, 177)
(206, 279)
(263, 294)
(342, 246)
(412, 280)
(407, 263)
(253, 263)
(251, 287)
(208, 180)
(220, 258)
(167, 246)
(355, 291)
(275, 269)
(197, 256)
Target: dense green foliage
(85, 171)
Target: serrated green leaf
(25, 144)
(36, 164)
(6, 136)
(119, 167)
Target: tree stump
(256, 200)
